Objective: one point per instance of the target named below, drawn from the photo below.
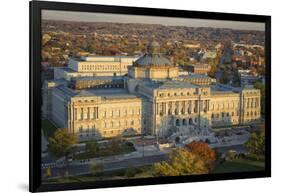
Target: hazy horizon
(166, 21)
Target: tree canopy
(92, 146)
(181, 162)
(256, 143)
(201, 149)
(61, 144)
(97, 169)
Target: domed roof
(153, 57)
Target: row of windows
(89, 134)
(184, 104)
(251, 113)
(180, 94)
(121, 123)
(111, 124)
(190, 121)
(252, 103)
(182, 111)
(223, 106)
(224, 114)
(105, 114)
(93, 134)
(118, 113)
(228, 114)
(103, 67)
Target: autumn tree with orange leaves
(202, 150)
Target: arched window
(184, 122)
(189, 121)
(177, 122)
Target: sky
(171, 21)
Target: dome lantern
(153, 48)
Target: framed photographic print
(127, 96)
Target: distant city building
(152, 100)
(246, 78)
(211, 54)
(199, 68)
(196, 45)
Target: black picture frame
(35, 100)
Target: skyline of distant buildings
(166, 21)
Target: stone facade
(150, 103)
(95, 66)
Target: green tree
(61, 144)
(48, 172)
(92, 146)
(91, 48)
(181, 162)
(115, 145)
(130, 172)
(97, 169)
(256, 143)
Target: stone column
(192, 106)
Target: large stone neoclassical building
(86, 66)
(152, 99)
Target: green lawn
(140, 172)
(105, 152)
(239, 165)
(48, 128)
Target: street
(74, 170)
